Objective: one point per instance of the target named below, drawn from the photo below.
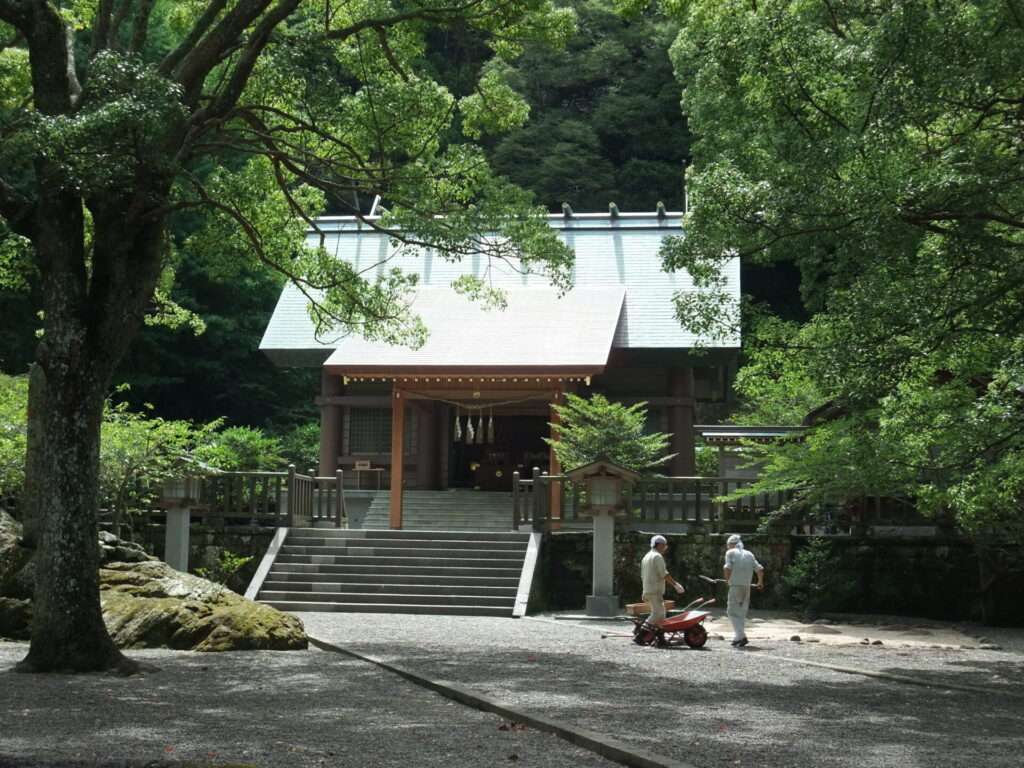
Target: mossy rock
(15, 579)
(15, 618)
(151, 605)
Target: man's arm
(674, 583)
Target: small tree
(243, 449)
(138, 453)
(595, 427)
(13, 404)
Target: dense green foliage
(605, 124)
(596, 427)
(877, 146)
(13, 405)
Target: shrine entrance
(508, 442)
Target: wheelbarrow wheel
(696, 636)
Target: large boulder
(15, 578)
(151, 605)
(148, 604)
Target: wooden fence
(261, 499)
(694, 503)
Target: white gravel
(719, 706)
(271, 709)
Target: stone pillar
(397, 455)
(680, 423)
(176, 538)
(427, 456)
(602, 602)
(330, 424)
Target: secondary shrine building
(473, 404)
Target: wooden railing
(260, 499)
(658, 501)
(693, 502)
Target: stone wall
(933, 578)
(206, 543)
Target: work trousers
(657, 601)
(739, 602)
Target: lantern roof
(602, 465)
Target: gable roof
(610, 251)
(537, 332)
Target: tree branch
(242, 71)
(200, 61)
(436, 15)
(141, 26)
(194, 35)
(101, 32)
(115, 26)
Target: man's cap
(656, 540)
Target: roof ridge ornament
(566, 210)
(613, 209)
(662, 213)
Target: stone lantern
(179, 493)
(603, 482)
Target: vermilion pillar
(397, 455)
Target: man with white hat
(740, 567)
(655, 574)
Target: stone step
(402, 588)
(390, 608)
(440, 582)
(401, 569)
(438, 546)
(505, 536)
(397, 551)
(375, 561)
(380, 542)
(399, 599)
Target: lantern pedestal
(602, 602)
(176, 538)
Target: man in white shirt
(740, 567)
(655, 575)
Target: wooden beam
(397, 456)
(357, 401)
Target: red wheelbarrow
(685, 627)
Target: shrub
(594, 427)
(821, 579)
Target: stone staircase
(445, 511)
(460, 573)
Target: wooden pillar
(427, 457)
(331, 417)
(554, 465)
(681, 419)
(397, 455)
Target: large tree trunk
(68, 633)
(91, 313)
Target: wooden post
(341, 514)
(426, 448)
(681, 419)
(330, 424)
(554, 465)
(397, 456)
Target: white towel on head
(656, 540)
(735, 539)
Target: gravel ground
(721, 706)
(270, 709)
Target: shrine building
(473, 404)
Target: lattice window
(369, 432)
